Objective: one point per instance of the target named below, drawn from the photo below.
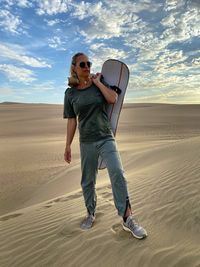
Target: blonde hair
(73, 79)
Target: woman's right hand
(67, 154)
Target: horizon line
(125, 103)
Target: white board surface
(115, 73)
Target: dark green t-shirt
(89, 105)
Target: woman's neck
(84, 82)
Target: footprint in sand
(62, 199)
(107, 196)
(70, 229)
(11, 216)
(73, 229)
(75, 196)
(118, 232)
(52, 202)
(59, 199)
(116, 228)
(106, 193)
(98, 216)
(104, 188)
(48, 206)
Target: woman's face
(82, 67)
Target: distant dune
(41, 203)
(10, 103)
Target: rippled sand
(41, 203)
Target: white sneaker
(132, 226)
(87, 222)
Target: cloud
(196, 61)
(41, 87)
(101, 52)
(178, 95)
(6, 91)
(167, 89)
(152, 42)
(17, 74)
(170, 57)
(168, 21)
(20, 3)
(56, 43)
(9, 22)
(103, 21)
(51, 7)
(178, 25)
(193, 3)
(82, 10)
(16, 53)
(133, 7)
(52, 22)
(45, 86)
(108, 19)
(172, 4)
(24, 3)
(181, 26)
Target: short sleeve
(68, 111)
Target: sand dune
(160, 148)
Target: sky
(159, 40)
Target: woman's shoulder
(69, 91)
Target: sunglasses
(83, 64)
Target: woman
(86, 99)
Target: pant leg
(109, 152)
(89, 168)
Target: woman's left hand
(96, 78)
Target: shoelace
(89, 218)
(132, 223)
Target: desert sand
(41, 202)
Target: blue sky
(158, 39)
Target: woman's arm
(71, 128)
(110, 95)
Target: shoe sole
(136, 236)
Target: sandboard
(115, 73)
